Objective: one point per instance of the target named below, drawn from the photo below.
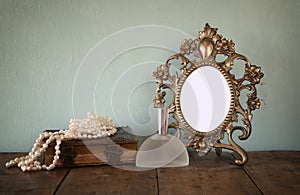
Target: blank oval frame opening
(205, 99)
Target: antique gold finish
(205, 48)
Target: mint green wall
(43, 42)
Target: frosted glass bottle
(162, 149)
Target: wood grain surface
(14, 181)
(269, 172)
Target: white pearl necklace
(91, 128)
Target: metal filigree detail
(221, 45)
(205, 48)
(253, 74)
(159, 100)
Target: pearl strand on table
(91, 128)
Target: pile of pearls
(91, 128)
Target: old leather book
(119, 148)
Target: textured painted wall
(42, 44)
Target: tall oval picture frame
(205, 49)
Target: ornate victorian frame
(205, 48)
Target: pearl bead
(48, 141)
(56, 157)
(23, 168)
(52, 166)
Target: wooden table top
(271, 172)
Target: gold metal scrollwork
(205, 48)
